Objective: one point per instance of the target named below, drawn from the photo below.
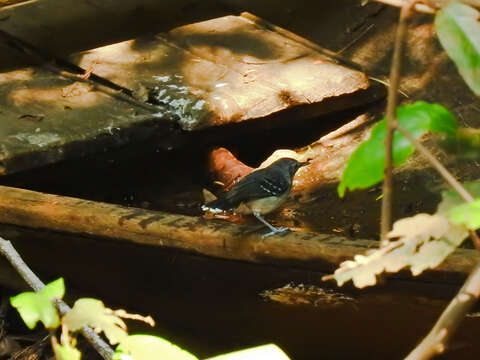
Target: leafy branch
(422, 241)
(7, 250)
(90, 316)
(386, 217)
(436, 340)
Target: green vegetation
(40, 306)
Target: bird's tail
(218, 205)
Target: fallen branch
(7, 250)
(436, 340)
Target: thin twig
(436, 340)
(392, 100)
(475, 239)
(356, 39)
(75, 73)
(7, 250)
(118, 94)
(449, 178)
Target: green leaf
(270, 352)
(366, 165)
(66, 352)
(465, 145)
(38, 306)
(458, 30)
(451, 199)
(467, 214)
(148, 347)
(93, 313)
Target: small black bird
(260, 192)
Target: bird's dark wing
(259, 184)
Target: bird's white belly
(262, 206)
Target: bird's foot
(275, 232)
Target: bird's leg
(273, 229)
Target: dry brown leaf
(93, 313)
(424, 241)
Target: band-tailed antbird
(260, 192)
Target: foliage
(458, 30)
(66, 350)
(465, 144)
(451, 199)
(459, 212)
(146, 347)
(270, 352)
(424, 241)
(92, 312)
(466, 214)
(366, 165)
(38, 306)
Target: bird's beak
(304, 163)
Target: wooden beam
(197, 235)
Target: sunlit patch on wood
(228, 63)
(17, 75)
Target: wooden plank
(211, 73)
(230, 69)
(193, 234)
(61, 27)
(46, 118)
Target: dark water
(210, 306)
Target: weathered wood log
(194, 234)
(4, 3)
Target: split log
(196, 235)
(226, 168)
(328, 157)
